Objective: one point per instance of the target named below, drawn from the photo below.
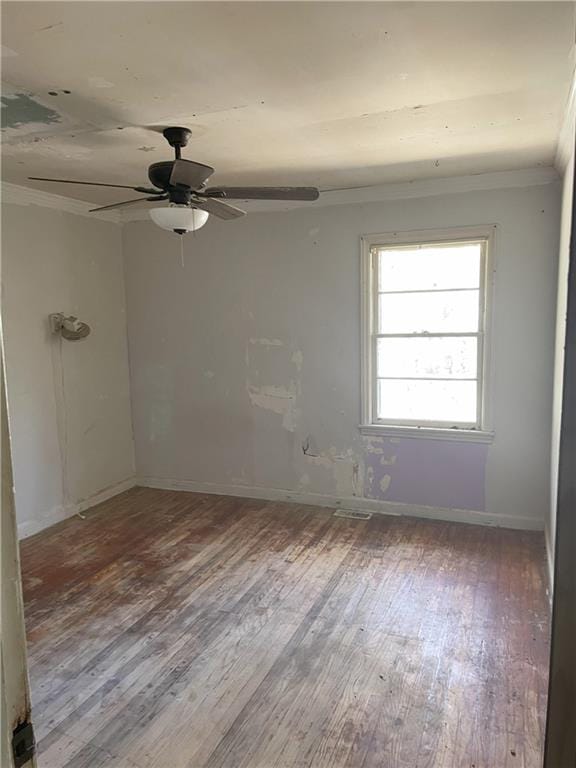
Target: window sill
(428, 433)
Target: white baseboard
(355, 502)
(47, 519)
(56, 515)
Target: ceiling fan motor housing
(159, 175)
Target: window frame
(479, 431)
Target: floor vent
(353, 514)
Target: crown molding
(451, 185)
(17, 195)
(565, 148)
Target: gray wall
(251, 351)
(69, 404)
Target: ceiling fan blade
(221, 210)
(263, 193)
(144, 190)
(186, 173)
(129, 202)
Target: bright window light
(426, 333)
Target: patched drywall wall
(69, 402)
(245, 363)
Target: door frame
(560, 742)
(15, 694)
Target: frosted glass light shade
(179, 218)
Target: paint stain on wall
(19, 109)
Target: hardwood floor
(173, 630)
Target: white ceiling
(334, 94)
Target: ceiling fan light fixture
(179, 218)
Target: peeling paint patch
(273, 380)
(385, 483)
(267, 342)
(343, 471)
(369, 482)
(344, 468)
(387, 461)
(308, 447)
(320, 461)
(356, 486)
(373, 445)
(277, 399)
(298, 359)
(19, 109)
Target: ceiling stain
(20, 109)
(51, 26)
(100, 82)
(345, 104)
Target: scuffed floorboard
(180, 630)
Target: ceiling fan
(183, 184)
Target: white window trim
(369, 426)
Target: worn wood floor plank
(197, 631)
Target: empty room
(288, 349)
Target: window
(425, 347)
